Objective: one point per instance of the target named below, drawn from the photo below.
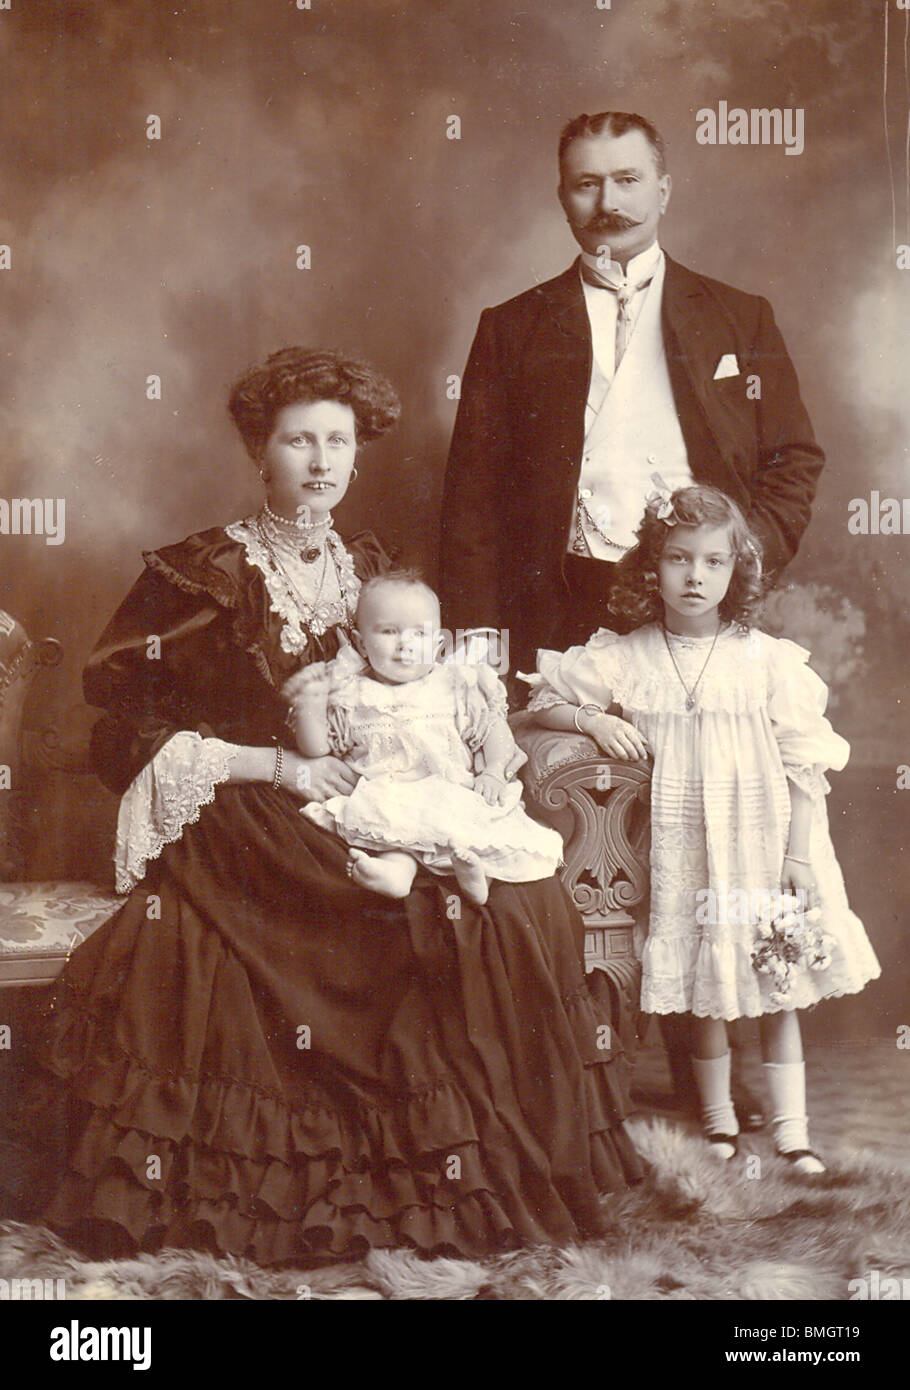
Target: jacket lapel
(694, 343)
(683, 312)
(566, 303)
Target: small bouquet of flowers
(789, 939)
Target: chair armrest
(600, 807)
(20, 662)
(44, 750)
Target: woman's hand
(617, 738)
(800, 880)
(316, 779)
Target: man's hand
(316, 779)
(618, 738)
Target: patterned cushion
(40, 923)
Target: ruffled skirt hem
(253, 1178)
(286, 1067)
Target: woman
(256, 1055)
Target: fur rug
(696, 1229)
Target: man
(578, 390)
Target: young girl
(739, 836)
(412, 728)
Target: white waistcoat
(635, 432)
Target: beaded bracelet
(279, 761)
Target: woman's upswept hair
(636, 592)
(297, 375)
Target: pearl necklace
(282, 530)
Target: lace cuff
(545, 697)
(168, 794)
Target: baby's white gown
(720, 807)
(414, 745)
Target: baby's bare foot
(389, 874)
(471, 878)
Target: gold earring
(354, 474)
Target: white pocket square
(727, 366)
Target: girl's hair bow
(660, 501)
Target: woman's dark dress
(317, 1069)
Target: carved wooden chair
(601, 809)
(42, 921)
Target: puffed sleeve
(582, 675)
(150, 745)
(796, 705)
(368, 556)
(134, 675)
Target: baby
(416, 730)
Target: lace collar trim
(299, 626)
(376, 694)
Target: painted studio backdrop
(189, 186)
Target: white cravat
(631, 423)
(603, 313)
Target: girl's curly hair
(298, 375)
(636, 591)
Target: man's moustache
(606, 223)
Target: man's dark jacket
(519, 434)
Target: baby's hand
(618, 738)
(311, 683)
(491, 786)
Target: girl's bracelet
(587, 709)
(795, 859)
(279, 763)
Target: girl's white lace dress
(414, 746)
(720, 807)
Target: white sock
(787, 1090)
(712, 1076)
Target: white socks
(787, 1089)
(712, 1076)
